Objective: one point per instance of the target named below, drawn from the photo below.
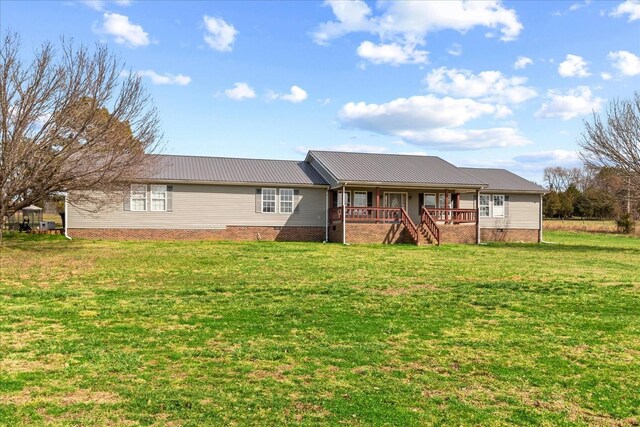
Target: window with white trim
(268, 200)
(430, 200)
(347, 198)
(485, 205)
(498, 206)
(158, 198)
(138, 197)
(286, 200)
(360, 199)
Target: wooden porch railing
(410, 226)
(455, 216)
(429, 222)
(365, 214)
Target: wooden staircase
(428, 227)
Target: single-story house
(330, 196)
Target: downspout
(477, 217)
(66, 217)
(344, 215)
(540, 220)
(326, 215)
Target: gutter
(66, 217)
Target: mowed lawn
(262, 333)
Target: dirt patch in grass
(50, 362)
(32, 395)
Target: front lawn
(261, 333)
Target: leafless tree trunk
(612, 139)
(71, 120)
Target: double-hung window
(159, 198)
(360, 198)
(138, 197)
(268, 200)
(286, 200)
(498, 206)
(485, 205)
(347, 198)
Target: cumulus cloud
(165, 79)
(99, 5)
(569, 104)
(522, 62)
(629, 7)
(123, 31)
(401, 26)
(296, 94)
(240, 91)
(392, 53)
(606, 76)
(431, 121)
(626, 62)
(552, 157)
(455, 50)
(573, 66)
(219, 34)
(489, 86)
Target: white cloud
(573, 66)
(552, 157)
(220, 35)
(99, 5)
(401, 26)
(490, 86)
(455, 50)
(165, 79)
(431, 121)
(522, 62)
(629, 7)
(240, 91)
(606, 76)
(296, 95)
(392, 53)
(573, 103)
(123, 31)
(626, 62)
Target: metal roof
(393, 168)
(234, 170)
(502, 179)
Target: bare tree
(612, 139)
(559, 178)
(71, 120)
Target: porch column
(344, 215)
(478, 217)
(377, 204)
(446, 206)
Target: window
(347, 198)
(268, 200)
(138, 197)
(430, 200)
(286, 200)
(485, 205)
(159, 198)
(360, 198)
(498, 206)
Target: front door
(395, 200)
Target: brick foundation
(457, 233)
(370, 233)
(280, 234)
(508, 235)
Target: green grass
(260, 333)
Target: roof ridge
(375, 154)
(226, 157)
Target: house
(330, 196)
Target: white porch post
(478, 217)
(344, 215)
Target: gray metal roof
(503, 180)
(234, 170)
(393, 168)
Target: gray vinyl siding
(523, 211)
(200, 206)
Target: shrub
(625, 224)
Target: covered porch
(426, 214)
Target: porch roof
(368, 168)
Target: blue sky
(487, 84)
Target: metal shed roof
(234, 170)
(393, 168)
(503, 180)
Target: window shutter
(148, 204)
(169, 198)
(369, 199)
(126, 199)
(334, 196)
(258, 200)
(506, 206)
(296, 201)
(420, 201)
